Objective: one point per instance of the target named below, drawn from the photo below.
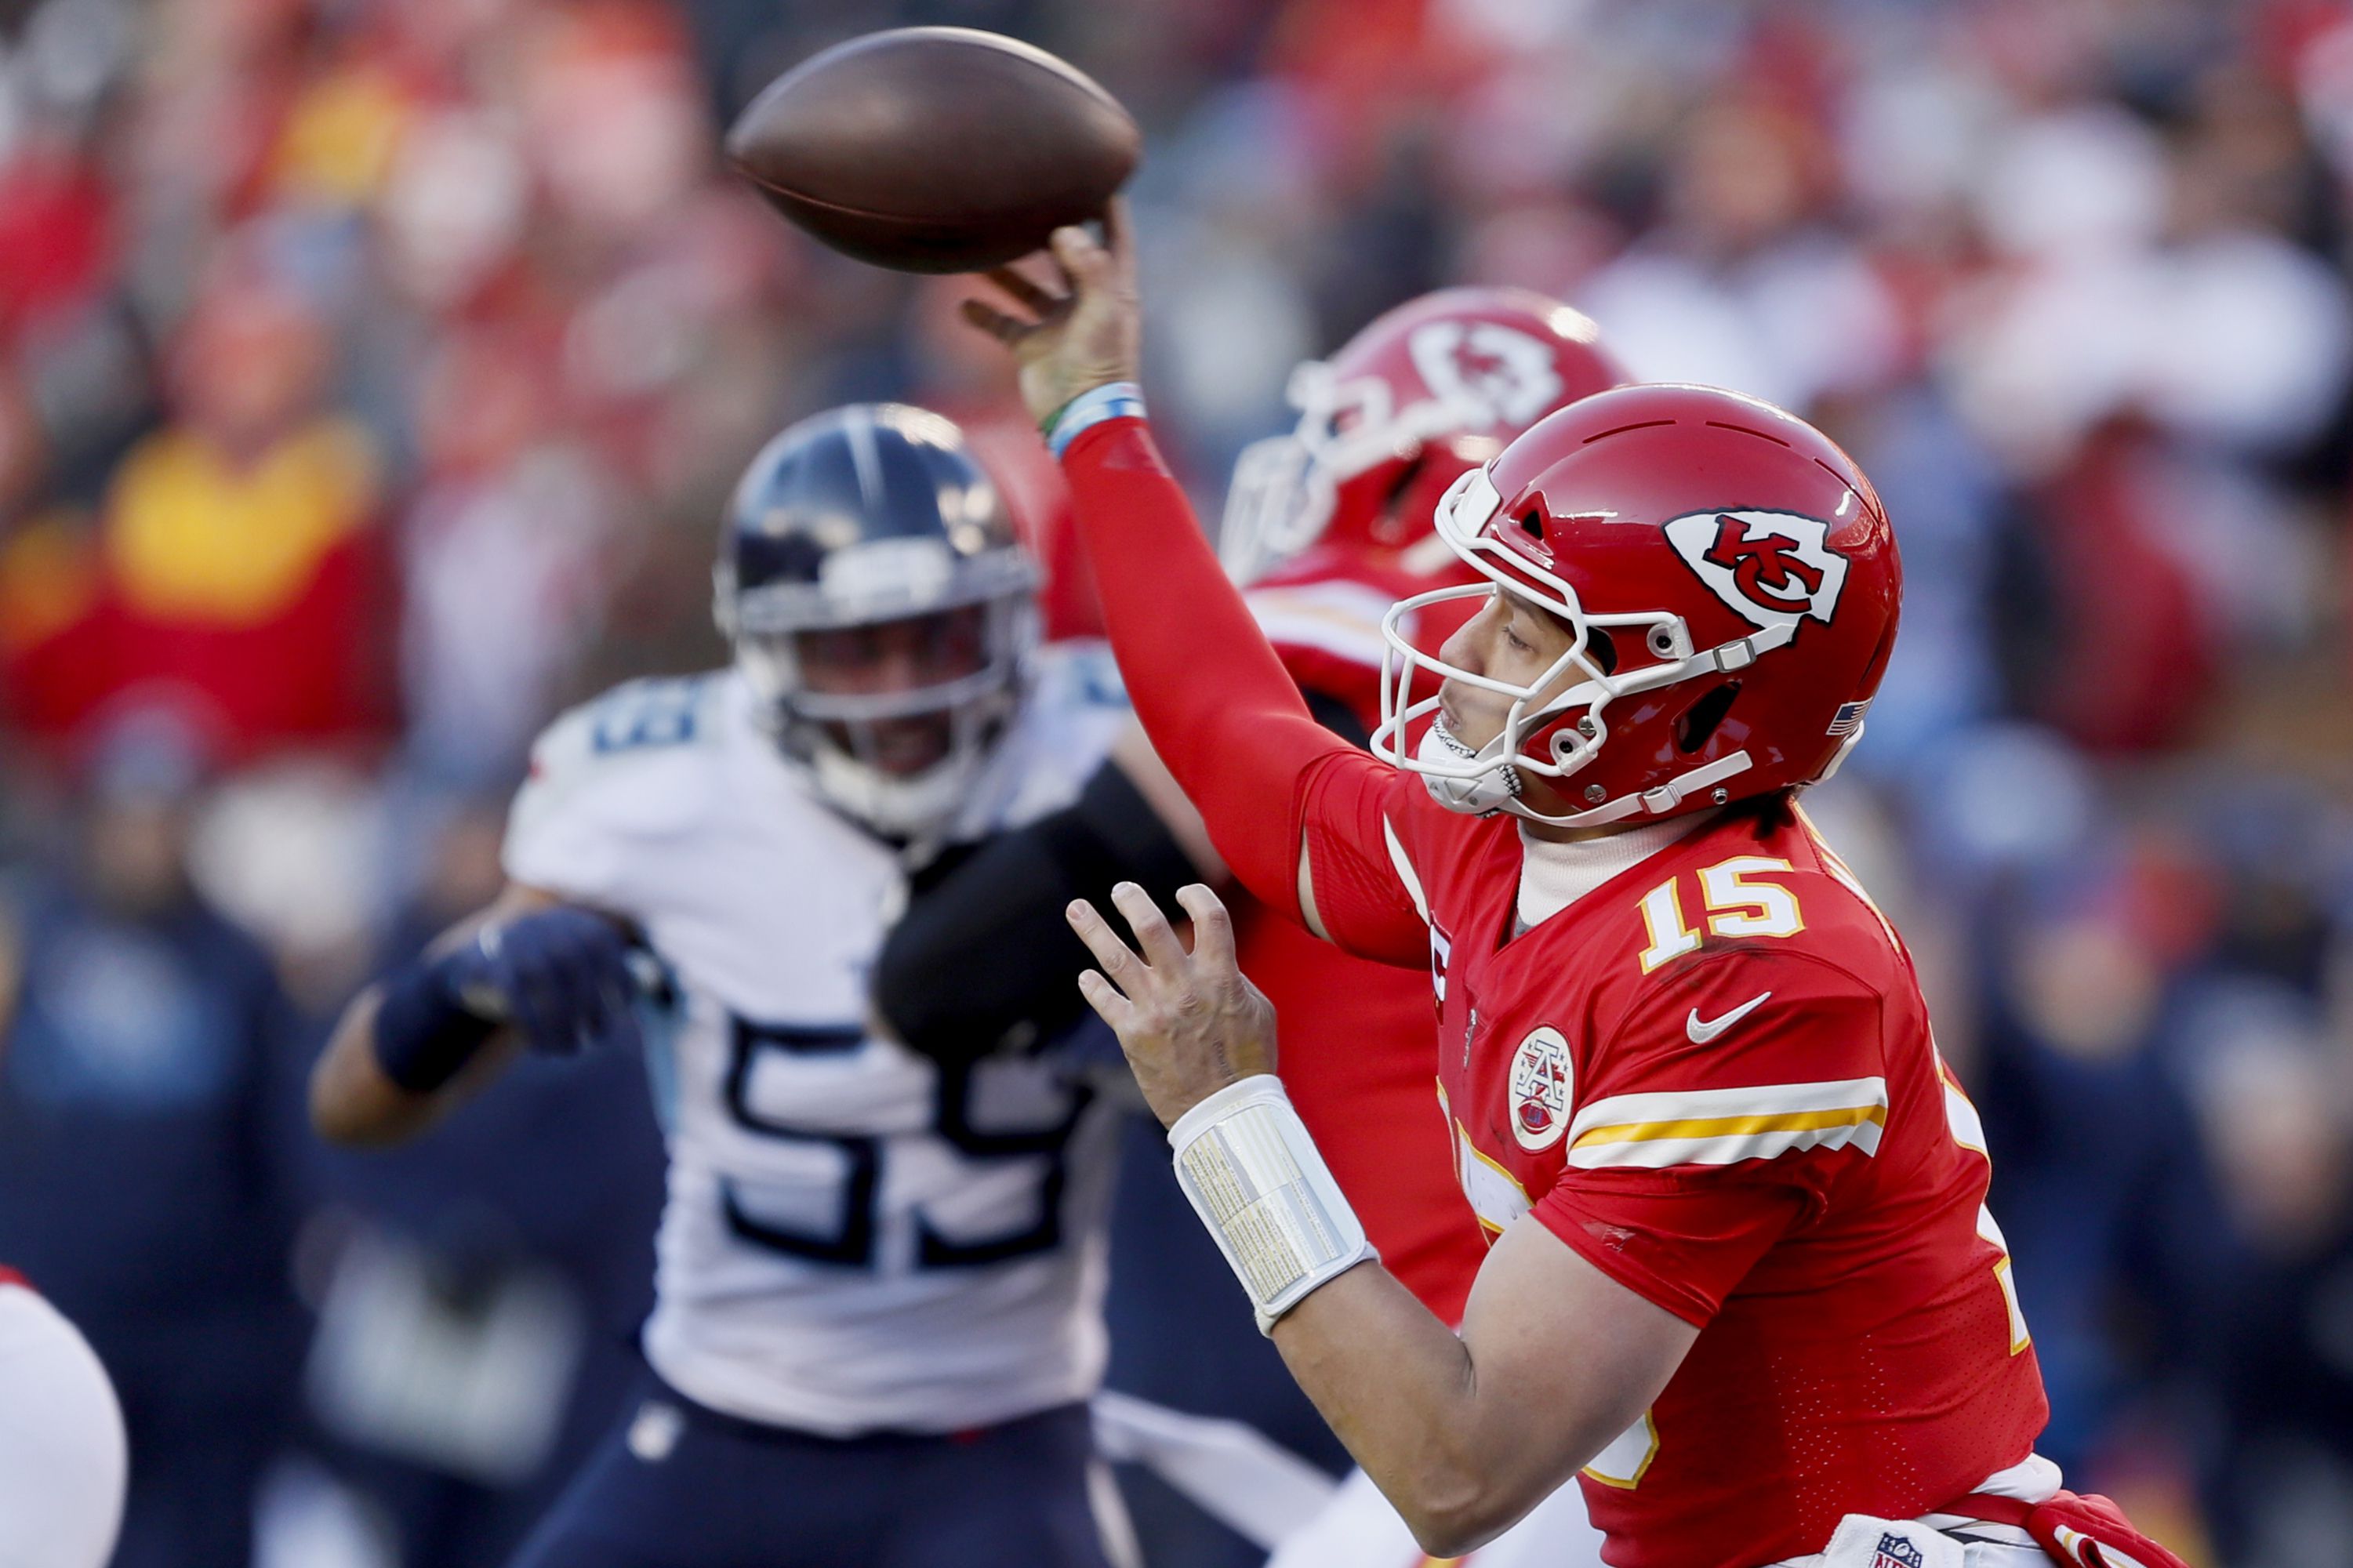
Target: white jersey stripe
(1657, 1153)
(1726, 1126)
(1343, 619)
(1758, 1099)
(1496, 1195)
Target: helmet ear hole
(1532, 524)
(1406, 476)
(1601, 650)
(1700, 720)
(1393, 523)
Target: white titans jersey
(853, 1240)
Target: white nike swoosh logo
(1701, 1033)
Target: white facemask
(1492, 777)
(897, 807)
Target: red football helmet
(1430, 389)
(1732, 584)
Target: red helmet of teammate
(1732, 584)
(1427, 391)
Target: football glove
(562, 976)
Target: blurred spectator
(1741, 285)
(2105, 1217)
(2275, 1114)
(151, 1094)
(233, 566)
(501, 556)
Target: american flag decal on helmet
(1848, 719)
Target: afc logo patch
(1895, 1552)
(1538, 1090)
(1775, 568)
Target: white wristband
(1113, 400)
(1253, 1175)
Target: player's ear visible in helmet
(881, 609)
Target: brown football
(934, 149)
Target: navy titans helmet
(868, 515)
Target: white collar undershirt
(1554, 875)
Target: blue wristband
(423, 1034)
(1113, 400)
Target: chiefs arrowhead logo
(1773, 567)
(1767, 570)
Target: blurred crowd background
(372, 372)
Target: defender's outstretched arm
(527, 970)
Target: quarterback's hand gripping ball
(1189, 1022)
(1087, 332)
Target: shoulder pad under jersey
(633, 764)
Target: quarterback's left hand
(1189, 1022)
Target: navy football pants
(676, 1485)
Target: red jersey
(1357, 1058)
(1713, 1077)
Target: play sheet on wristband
(1276, 1226)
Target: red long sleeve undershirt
(1216, 703)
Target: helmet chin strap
(1491, 789)
(1657, 802)
(1499, 787)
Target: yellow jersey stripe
(1734, 1126)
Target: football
(934, 149)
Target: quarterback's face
(895, 658)
(1510, 640)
